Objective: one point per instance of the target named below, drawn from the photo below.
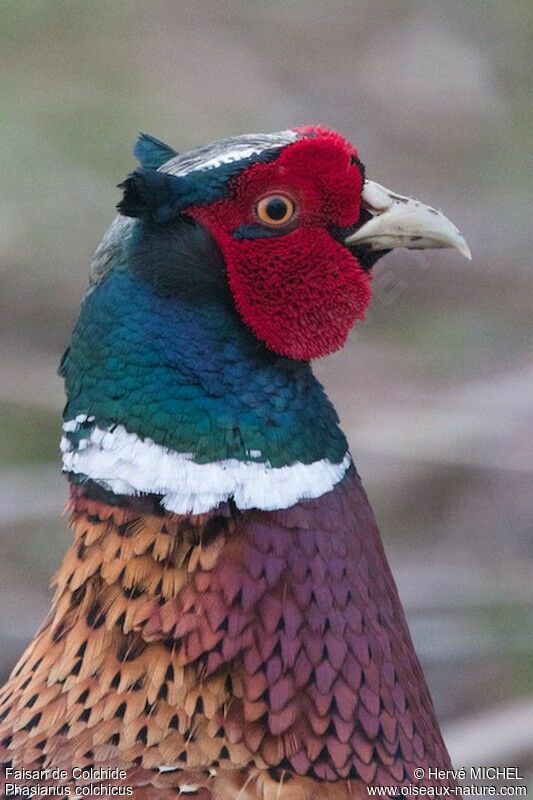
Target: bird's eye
(275, 210)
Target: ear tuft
(152, 195)
(151, 152)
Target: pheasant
(225, 624)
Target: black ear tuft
(151, 152)
(153, 195)
(138, 195)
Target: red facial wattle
(299, 289)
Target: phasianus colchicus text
(225, 624)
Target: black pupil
(276, 208)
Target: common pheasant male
(225, 624)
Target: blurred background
(435, 389)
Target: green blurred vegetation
(29, 435)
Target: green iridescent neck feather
(187, 375)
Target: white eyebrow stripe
(230, 157)
(227, 151)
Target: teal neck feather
(187, 374)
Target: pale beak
(403, 222)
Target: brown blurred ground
(435, 390)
